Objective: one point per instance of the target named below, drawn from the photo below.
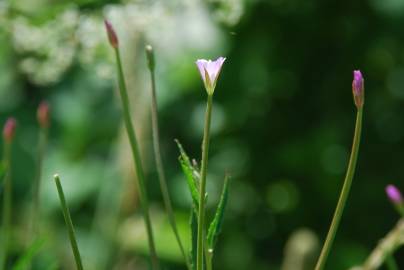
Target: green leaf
(194, 236)
(215, 225)
(25, 260)
(191, 174)
(191, 183)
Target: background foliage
(282, 124)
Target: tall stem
(7, 205)
(136, 157)
(43, 138)
(204, 167)
(69, 223)
(344, 193)
(160, 167)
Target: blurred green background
(282, 124)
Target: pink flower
(358, 88)
(394, 194)
(43, 114)
(210, 71)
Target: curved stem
(69, 223)
(160, 168)
(141, 186)
(344, 193)
(204, 167)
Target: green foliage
(194, 235)
(216, 224)
(191, 175)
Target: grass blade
(69, 223)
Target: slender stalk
(344, 193)
(43, 138)
(391, 263)
(7, 206)
(202, 190)
(158, 157)
(136, 157)
(69, 223)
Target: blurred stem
(391, 263)
(204, 167)
(159, 161)
(136, 157)
(69, 223)
(7, 205)
(344, 193)
(43, 138)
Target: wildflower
(210, 71)
(9, 129)
(43, 114)
(113, 38)
(358, 88)
(394, 194)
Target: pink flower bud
(394, 194)
(358, 89)
(9, 129)
(42, 114)
(113, 38)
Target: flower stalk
(141, 186)
(69, 223)
(202, 186)
(358, 93)
(43, 121)
(209, 71)
(157, 153)
(8, 136)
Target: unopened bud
(358, 89)
(43, 114)
(113, 38)
(9, 129)
(150, 57)
(394, 194)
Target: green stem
(344, 193)
(204, 166)
(391, 263)
(7, 206)
(160, 167)
(69, 223)
(136, 157)
(43, 138)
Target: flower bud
(150, 57)
(113, 38)
(394, 195)
(358, 89)
(42, 114)
(9, 129)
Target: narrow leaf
(215, 225)
(191, 183)
(194, 236)
(191, 175)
